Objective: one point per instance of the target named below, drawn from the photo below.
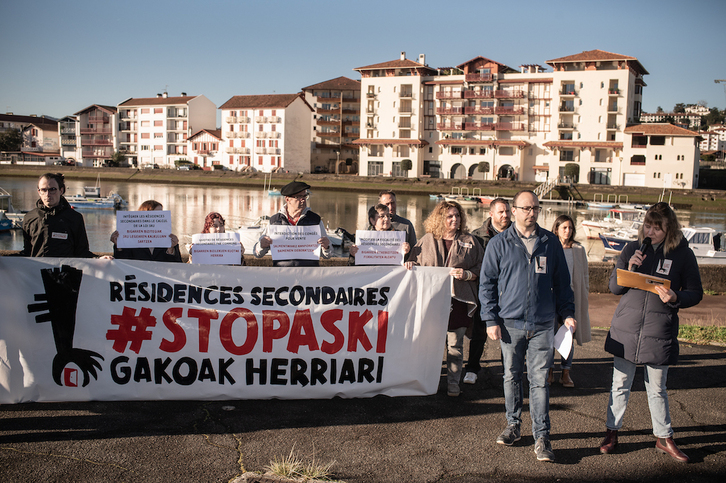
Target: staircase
(544, 189)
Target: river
(189, 204)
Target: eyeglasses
(47, 190)
(528, 209)
(301, 197)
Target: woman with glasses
(214, 223)
(53, 228)
(576, 257)
(154, 254)
(644, 329)
(379, 218)
(295, 212)
(447, 243)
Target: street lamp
(337, 162)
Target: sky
(59, 57)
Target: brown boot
(551, 377)
(565, 378)
(609, 442)
(668, 446)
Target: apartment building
(714, 139)
(67, 131)
(96, 135)
(686, 119)
(485, 120)
(41, 135)
(267, 133)
(154, 130)
(205, 148)
(335, 125)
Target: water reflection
(189, 204)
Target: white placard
(563, 341)
(216, 249)
(76, 329)
(143, 229)
(294, 242)
(379, 247)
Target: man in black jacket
(498, 221)
(53, 228)
(295, 212)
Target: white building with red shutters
(96, 135)
(206, 148)
(266, 133)
(154, 130)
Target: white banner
(294, 242)
(143, 229)
(379, 247)
(82, 330)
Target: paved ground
(418, 439)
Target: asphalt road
(422, 439)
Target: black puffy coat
(55, 232)
(644, 330)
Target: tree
(669, 120)
(117, 159)
(406, 166)
(659, 109)
(572, 170)
(679, 108)
(11, 140)
(483, 167)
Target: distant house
(204, 148)
(41, 135)
(266, 133)
(96, 135)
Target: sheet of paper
(216, 249)
(563, 341)
(379, 247)
(143, 229)
(294, 242)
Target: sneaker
(453, 390)
(470, 378)
(543, 449)
(509, 435)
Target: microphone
(643, 247)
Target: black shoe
(543, 449)
(510, 435)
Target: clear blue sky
(58, 57)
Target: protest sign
(379, 247)
(143, 229)
(84, 329)
(216, 249)
(294, 242)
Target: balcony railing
(449, 111)
(320, 110)
(275, 135)
(509, 126)
(351, 99)
(273, 119)
(614, 91)
(103, 119)
(68, 130)
(512, 111)
(637, 163)
(479, 77)
(406, 111)
(350, 111)
(370, 110)
(370, 95)
(567, 108)
(231, 119)
(566, 125)
(505, 94)
(448, 95)
(487, 94)
(613, 109)
(476, 111)
(444, 126)
(68, 142)
(406, 94)
(323, 122)
(638, 146)
(95, 130)
(568, 92)
(127, 116)
(243, 119)
(613, 127)
(328, 134)
(96, 142)
(479, 126)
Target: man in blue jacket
(524, 286)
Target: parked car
(151, 166)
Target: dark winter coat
(644, 330)
(55, 232)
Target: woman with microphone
(644, 329)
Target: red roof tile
(411, 142)
(339, 83)
(156, 101)
(109, 109)
(217, 133)
(269, 101)
(396, 64)
(481, 142)
(598, 55)
(584, 144)
(659, 129)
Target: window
(145, 135)
(567, 155)
(145, 110)
(657, 140)
(158, 147)
(144, 147)
(158, 123)
(375, 168)
(637, 160)
(145, 123)
(396, 169)
(158, 110)
(457, 150)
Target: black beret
(291, 189)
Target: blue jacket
(519, 290)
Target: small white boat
(707, 245)
(8, 212)
(110, 202)
(615, 241)
(613, 221)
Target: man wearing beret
(295, 212)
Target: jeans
(537, 346)
(567, 363)
(655, 387)
(454, 354)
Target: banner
(82, 330)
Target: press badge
(59, 236)
(541, 264)
(466, 244)
(664, 267)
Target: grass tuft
(294, 467)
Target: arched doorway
(505, 172)
(458, 171)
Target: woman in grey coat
(644, 329)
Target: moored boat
(614, 220)
(707, 244)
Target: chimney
(184, 94)
(403, 55)
(158, 96)
(422, 59)
(165, 95)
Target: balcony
(509, 126)
(68, 142)
(320, 110)
(486, 94)
(243, 119)
(505, 94)
(479, 126)
(274, 135)
(273, 119)
(511, 111)
(638, 146)
(328, 134)
(328, 95)
(231, 119)
(68, 130)
(351, 99)
(567, 109)
(96, 153)
(261, 134)
(350, 111)
(229, 150)
(445, 126)
(477, 111)
(95, 130)
(566, 125)
(96, 142)
(614, 108)
(370, 110)
(323, 122)
(614, 91)
(260, 119)
(406, 94)
(406, 111)
(99, 119)
(174, 113)
(612, 127)
(449, 95)
(404, 123)
(479, 77)
(567, 93)
(370, 95)
(130, 115)
(449, 111)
